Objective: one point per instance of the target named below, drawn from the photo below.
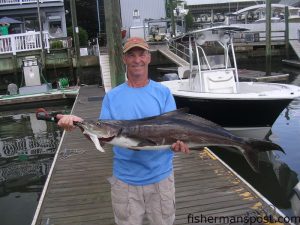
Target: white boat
(211, 89)
(253, 18)
(259, 11)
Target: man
(142, 181)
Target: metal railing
(180, 50)
(258, 36)
(20, 2)
(23, 42)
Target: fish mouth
(107, 139)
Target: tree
(83, 36)
(189, 21)
(87, 16)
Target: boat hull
(244, 117)
(235, 113)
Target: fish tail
(263, 145)
(252, 149)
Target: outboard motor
(170, 76)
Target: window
(55, 28)
(31, 24)
(136, 13)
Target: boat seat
(219, 81)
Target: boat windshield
(215, 62)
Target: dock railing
(258, 36)
(23, 42)
(20, 2)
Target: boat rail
(29, 41)
(211, 70)
(230, 74)
(20, 2)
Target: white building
(133, 13)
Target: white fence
(20, 2)
(23, 42)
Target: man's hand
(66, 121)
(179, 146)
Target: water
(281, 172)
(27, 148)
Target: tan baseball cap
(135, 42)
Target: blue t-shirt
(127, 103)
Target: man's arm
(66, 121)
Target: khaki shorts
(131, 203)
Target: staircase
(296, 47)
(105, 72)
(164, 50)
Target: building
(134, 12)
(52, 13)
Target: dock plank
(77, 191)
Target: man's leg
(127, 202)
(160, 202)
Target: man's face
(137, 61)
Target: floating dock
(53, 97)
(77, 191)
(260, 76)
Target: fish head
(106, 130)
(102, 130)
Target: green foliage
(189, 20)
(56, 44)
(171, 5)
(83, 36)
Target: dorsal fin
(167, 114)
(198, 121)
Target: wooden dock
(77, 191)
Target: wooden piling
(114, 40)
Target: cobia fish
(160, 132)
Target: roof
(290, 2)
(260, 6)
(210, 2)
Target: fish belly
(134, 144)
